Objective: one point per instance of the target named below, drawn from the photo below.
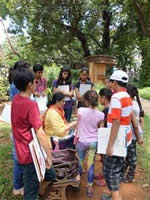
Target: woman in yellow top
(55, 123)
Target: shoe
(18, 192)
(106, 197)
(128, 180)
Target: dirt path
(132, 191)
(146, 106)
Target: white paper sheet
(64, 88)
(119, 147)
(84, 88)
(6, 114)
(41, 101)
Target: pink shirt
(89, 120)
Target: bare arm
(135, 127)
(79, 97)
(113, 135)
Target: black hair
(21, 64)
(120, 83)
(60, 77)
(107, 93)
(58, 96)
(133, 92)
(84, 69)
(22, 77)
(10, 75)
(91, 97)
(18, 65)
(38, 68)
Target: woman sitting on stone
(55, 124)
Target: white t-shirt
(136, 110)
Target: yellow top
(54, 124)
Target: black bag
(65, 164)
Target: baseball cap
(120, 75)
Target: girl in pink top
(89, 119)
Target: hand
(109, 150)
(74, 124)
(37, 94)
(48, 163)
(140, 141)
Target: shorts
(113, 171)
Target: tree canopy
(68, 31)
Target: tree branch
(9, 42)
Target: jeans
(31, 183)
(82, 149)
(68, 112)
(17, 169)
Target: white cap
(120, 75)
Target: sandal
(101, 182)
(90, 191)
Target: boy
(119, 115)
(39, 80)
(24, 116)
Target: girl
(130, 164)
(64, 79)
(83, 82)
(89, 119)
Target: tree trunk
(106, 34)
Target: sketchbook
(65, 88)
(6, 114)
(84, 88)
(119, 147)
(38, 156)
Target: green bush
(145, 93)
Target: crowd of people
(56, 131)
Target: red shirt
(24, 116)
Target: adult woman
(55, 123)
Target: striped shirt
(120, 109)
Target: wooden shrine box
(97, 67)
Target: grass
(145, 93)
(144, 151)
(6, 164)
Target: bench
(57, 190)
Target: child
(17, 168)
(24, 116)
(39, 80)
(119, 115)
(89, 119)
(65, 79)
(84, 79)
(104, 98)
(130, 163)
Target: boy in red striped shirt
(119, 115)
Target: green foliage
(145, 68)
(4, 86)
(75, 75)
(145, 93)
(144, 150)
